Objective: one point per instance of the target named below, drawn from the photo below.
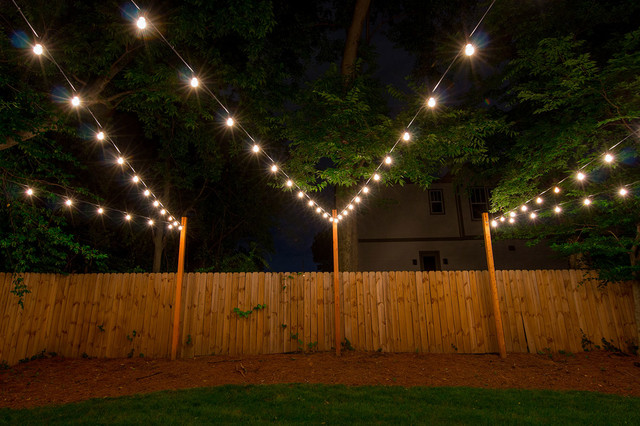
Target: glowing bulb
(376, 177)
(230, 122)
(135, 179)
(350, 206)
(75, 101)
(539, 200)
(494, 223)
(469, 49)
(623, 192)
(608, 158)
(512, 220)
(406, 136)
(502, 219)
(170, 218)
(431, 103)
(387, 160)
(274, 168)
(128, 217)
(38, 49)
(524, 208)
(365, 190)
(587, 201)
(532, 215)
(357, 199)
(120, 160)
(141, 23)
(195, 82)
(289, 183)
(100, 210)
(556, 190)
(256, 148)
(176, 223)
(346, 212)
(150, 222)
(100, 136)
(163, 212)
(330, 219)
(180, 227)
(325, 215)
(580, 176)
(170, 226)
(68, 202)
(339, 217)
(557, 209)
(147, 192)
(156, 203)
(29, 191)
(318, 210)
(300, 194)
(310, 203)
(512, 214)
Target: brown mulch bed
(57, 380)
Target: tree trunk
(347, 233)
(348, 229)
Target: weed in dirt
(346, 345)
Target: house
(409, 228)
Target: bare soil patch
(58, 381)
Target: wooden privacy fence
(119, 315)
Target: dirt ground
(57, 380)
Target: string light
(274, 168)
(195, 82)
(300, 194)
(557, 209)
(325, 215)
(318, 209)
(431, 102)
(100, 210)
(512, 220)
(533, 215)
(339, 217)
(469, 49)
(38, 49)
(127, 217)
(75, 101)
(388, 160)
(29, 191)
(289, 183)
(147, 193)
(376, 177)
(180, 228)
(310, 203)
(163, 212)
(580, 176)
(156, 203)
(150, 222)
(494, 223)
(357, 199)
(100, 135)
(623, 192)
(135, 179)
(256, 148)
(230, 122)
(608, 158)
(120, 160)
(170, 226)
(170, 218)
(68, 202)
(350, 206)
(365, 190)
(406, 136)
(502, 219)
(176, 223)
(586, 201)
(556, 190)
(539, 200)
(512, 214)
(524, 208)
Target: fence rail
(119, 315)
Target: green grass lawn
(318, 404)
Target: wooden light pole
(336, 280)
(178, 300)
(494, 286)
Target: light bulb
(558, 209)
(365, 190)
(156, 203)
(274, 168)
(170, 218)
(387, 160)
(494, 223)
(586, 201)
(163, 212)
(318, 209)
(339, 217)
(176, 223)
(29, 191)
(38, 49)
(623, 192)
(357, 199)
(141, 23)
(120, 160)
(100, 136)
(502, 219)
(195, 82)
(75, 101)
(325, 215)
(230, 122)
(608, 158)
(170, 226)
(180, 227)
(100, 210)
(524, 208)
(346, 212)
(431, 103)
(469, 49)
(532, 215)
(350, 206)
(512, 214)
(539, 200)
(556, 190)
(135, 179)
(406, 136)
(580, 176)
(150, 222)
(68, 202)
(289, 183)
(128, 217)
(147, 192)
(376, 177)
(310, 203)
(330, 219)
(512, 220)
(256, 148)
(300, 194)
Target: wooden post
(494, 286)
(336, 280)
(178, 300)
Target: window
(436, 201)
(430, 261)
(478, 203)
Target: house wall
(397, 226)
